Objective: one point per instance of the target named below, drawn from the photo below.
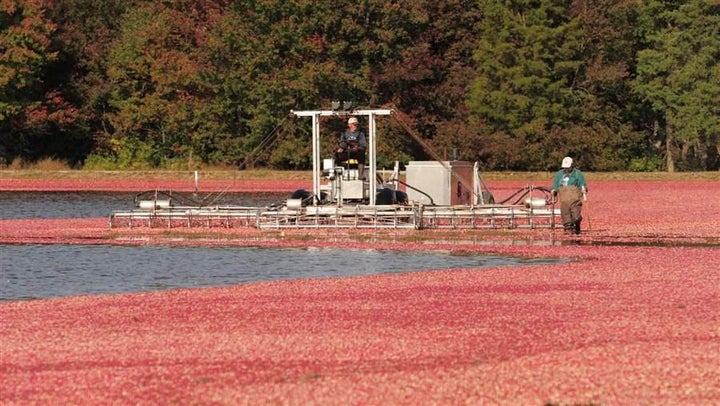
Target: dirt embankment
(68, 181)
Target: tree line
(512, 84)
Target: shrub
(645, 164)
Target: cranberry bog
(632, 318)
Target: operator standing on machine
(352, 145)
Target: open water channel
(42, 271)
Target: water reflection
(42, 271)
(50, 205)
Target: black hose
(525, 190)
(432, 202)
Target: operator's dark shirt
(353, 137)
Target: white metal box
(353, 189)
(446, 182)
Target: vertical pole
(477, 190)
(373, 163)
(316, 157)
(396, 175)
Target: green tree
(157, 94)
(427, 69)
(255, 51)
(85, 31)
(678, 75)
(549, 83)
(514, 84)
(270, 56)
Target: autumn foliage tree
(156, 102)
(512, 84)
(33, 109)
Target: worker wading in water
(570, 188)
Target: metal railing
(348, 216)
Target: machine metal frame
(533, 212)
(348, 216)
(371, 114)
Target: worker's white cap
(567, 162)
(352, 120)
